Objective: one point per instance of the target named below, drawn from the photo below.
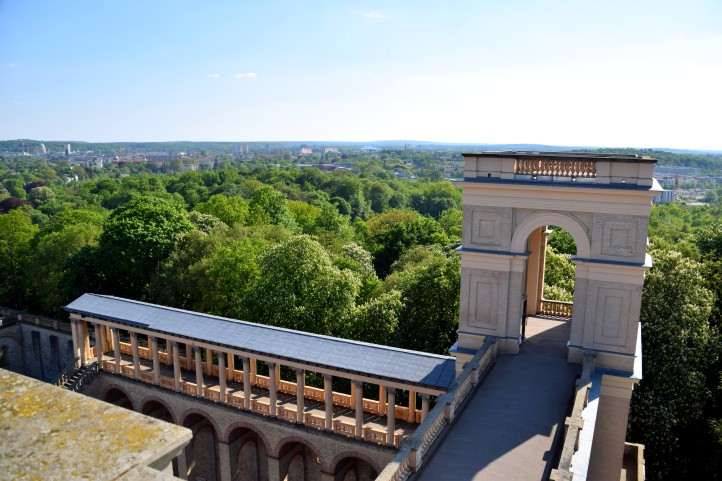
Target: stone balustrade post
(328, 400)
(222, 377)
(247, 383)
(99, 343)
(199, 371)
(359, 408)
(176, 366)
(272, 389)
(134, 350)
(390, 415)
(156, 360)
(116, 348)
(300, 387)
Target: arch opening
(249, 456)
(201, 453)
(354, 469)
(298, 462)
(118, 397)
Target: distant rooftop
(394, 364)
(50, 433)
(566, 155)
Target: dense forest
(362, 254)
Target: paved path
(505, 432)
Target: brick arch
(118, 388)
(295, 439)
(181, 420)
(167, 406)
(225, 436)
(339, 458)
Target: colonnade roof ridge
(565, 155)
(407, 366)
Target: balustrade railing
(415, 448)
(556, 167)
(549, 307)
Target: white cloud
(214, 76)
(245, 75)
(373, 16)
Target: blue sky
(613, 73)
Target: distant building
(305, 150)
(666, 197)
(68, 150)
(43, 149)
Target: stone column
(189, 357)
(535, 270)
(176, 366)
(382, 399)
(254, 370)
(328, 476)
(300, 386)
(412, 407)
(231, 365)
(222, 376)
(209, 362)
(610, 429)
(116, 348)
(274, 469)
(328, 400)
(134, 350)
(390, 416)
(247, 383)
(199, 371)
(224, 461)
(76, 342)
(84, 342)
(359, 408)
(272, 388)
(156, 360)
(99, 343)
(424, 406)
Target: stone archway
(298, 462)
(157, 409)
(249, 455)
(201, 453)
(602, 201)
(117, 396)
(354, 469)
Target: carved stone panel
(483, 301)
(487, 227)
(611, 316)
(619, 237)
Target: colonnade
(187, 354)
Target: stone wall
(301, 453)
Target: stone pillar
(224, 461)
(209, 362)
(247, 383)
(412, 407)
(610, 429)
(328, 476)
(300, 387)
(199, 371)
(189, 357)
(390, 416)
(222, 377)
(156, 360)
(134, 350)
(176, 366)
(359, 408)
(182, 464)
(116, 348)
(535, 270)
(274, 469)
(99, 343)
(272, 388)
(84, 342)
(254, 370)
(76, 342)
(424, 406)
(328, 400)
(231, 365)
(382, 399)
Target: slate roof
(400, 365)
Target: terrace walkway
(507, 429)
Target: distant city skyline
(608, 74)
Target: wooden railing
(555, 308)
(556, 167)
(416, 448)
